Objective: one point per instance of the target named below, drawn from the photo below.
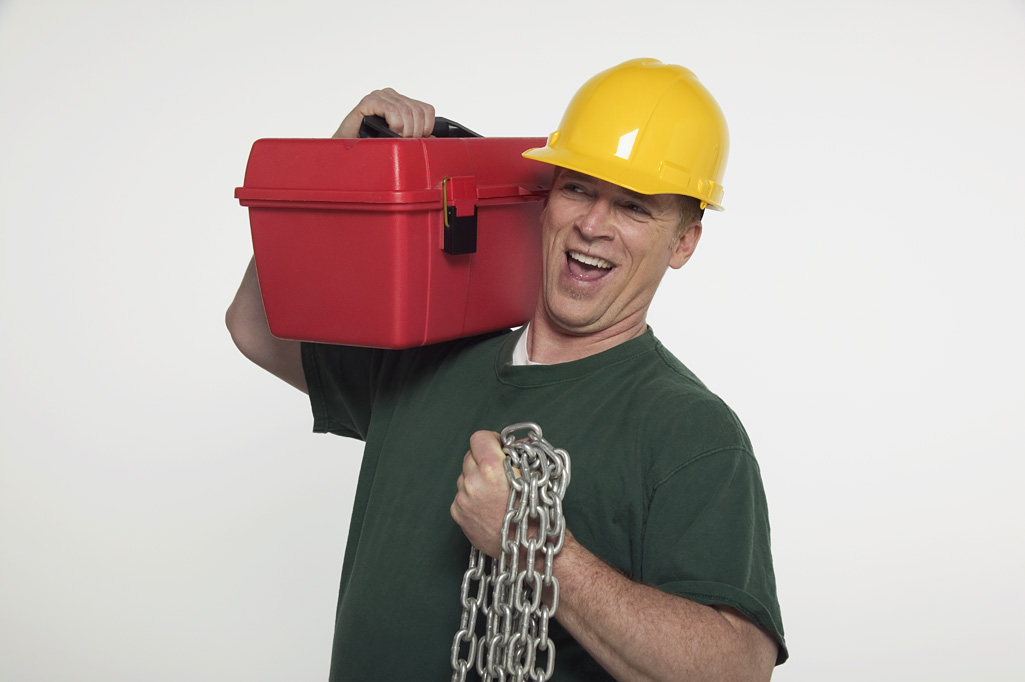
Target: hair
(690, 210)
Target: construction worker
(665, 571)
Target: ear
(683, 247)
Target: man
(666, 570)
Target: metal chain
(509, 595)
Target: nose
(596, 222)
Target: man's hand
(406, 116)
(482, 493)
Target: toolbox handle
(376, 126)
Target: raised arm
(246, 317)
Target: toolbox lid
(389, 173)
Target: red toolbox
(393, 243)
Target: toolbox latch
(458, 197)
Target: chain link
(515, 646)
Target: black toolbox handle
(375, 126)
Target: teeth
(590, 260)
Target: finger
(402, 119)
(384, 103)
(471, 483)
(416, 123)
(413, 115)
(469, 464)
(405, 115)
(424, 120)
(489, 458)
(417, 119)
(486, 446)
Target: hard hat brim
(622, 176)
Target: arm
(638, 632)
(247, 321)
(246, 318)
(634, 631)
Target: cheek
(549, 231)
(652, 254)
(547, 241)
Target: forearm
(637, 632)
(246, 320)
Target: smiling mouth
(587, 267)
(591, 261)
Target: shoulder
(683, 419)
(671, 385)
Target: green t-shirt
(665, 487)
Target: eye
(636, 209)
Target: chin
(574, 322)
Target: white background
(165, 513)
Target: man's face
(605, 249)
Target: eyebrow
(639, 196)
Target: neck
(549, 345)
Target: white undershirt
(519, 356)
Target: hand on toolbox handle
(406, 116)
(375, 126)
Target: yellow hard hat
(647, 126)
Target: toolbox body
(394, 243)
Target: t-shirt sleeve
(707, 537)
(340, 380)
